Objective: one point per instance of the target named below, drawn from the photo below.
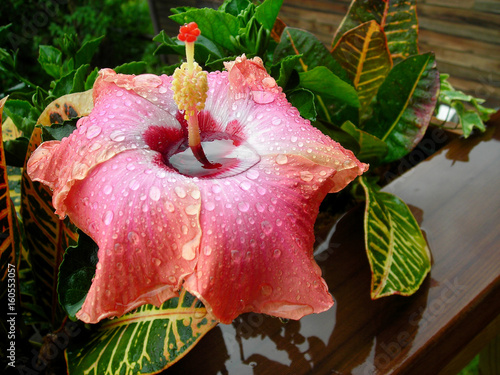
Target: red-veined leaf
(47, 236)
(363, 53)
(398, 19)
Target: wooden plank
(491, 6)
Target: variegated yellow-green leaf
(360, 11)
(7, 243)
(145, 341)
(11, 132)
(372, 149)
(363, 53)
(398, 254)
(46, 235)
(401, 29)
(398, 19)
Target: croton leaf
(360, 11)
(47, 236)
(314, 53)
(398, 254)
(401, 28)
(363, 53)
(398, 19)
(145, 341)
(372, 149)
(219, 27)
(405, 104)
(7, 218)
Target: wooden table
(455, 196)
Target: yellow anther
(190, 90)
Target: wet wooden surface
(455, 197)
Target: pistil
(190, 92)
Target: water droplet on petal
(192, 209)
(195, 194)
(266, 227)
(261, 190)
(260, 207)
(207, 250)
(281, 159)
(276, 253)
(93, 131)
(276, 121)
(253, 174)
(107, 189)
(172, 279)
(243, 206)
(306, 176)
(210, 206)
(154, 193)
(293, 139)
(156, 261)
(130, 166)
(117, 136)
(216, 189)
(188, 251)
(245, 185)
(108, 217)
(181, 193)
(263, 97)
(134, 185)
(279, 222)
(170, 207)
(133, 238)
(266, 290)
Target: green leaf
(15, 151)
(234, 7)
(337, 134)
(363, 53)
(323, 82)
(59, 131)
(79, 79)
(76, 273)
(133, 67)
(86, 52)
(469, 119)
(372, 149)
(50, 59)
(401, 29)
(64, 85)
(23, 114)
(89, 82)
(267, 12)
(398, 254)
(219, 27)
(303, 100)
(405, 104)
(314, 53)
(284, 69)
(145, 341)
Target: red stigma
(189, 32)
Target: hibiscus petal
(116, 124)
(257, 245)
(277, 128)
(145, 220)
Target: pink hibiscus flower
(239, 236)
